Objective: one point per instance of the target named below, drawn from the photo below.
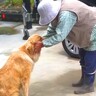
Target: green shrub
(17, 2)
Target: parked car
(12, 10)
(70, 48)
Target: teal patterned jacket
(66, 22)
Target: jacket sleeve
(66, 22)
(50, 32)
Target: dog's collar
(26, 57)
(29, 59)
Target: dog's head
(30, 47)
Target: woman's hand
(38, 46)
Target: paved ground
(54, 72)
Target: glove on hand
(38, 46)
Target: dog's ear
(30, 48)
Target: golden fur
(15, 74)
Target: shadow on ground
(60, 86)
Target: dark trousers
(27, 5)
(88, 63)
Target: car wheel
(71, 49)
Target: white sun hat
(48, 10)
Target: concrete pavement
(54, 72)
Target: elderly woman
(76, 21)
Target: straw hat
(48, 10)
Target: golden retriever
(15, 74)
